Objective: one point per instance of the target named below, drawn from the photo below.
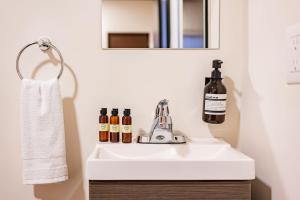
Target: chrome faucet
(162, 128)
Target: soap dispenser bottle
(215, 96)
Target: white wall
(270, 108)
(130, 16)
(95, 78)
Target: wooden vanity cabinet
(169, 190)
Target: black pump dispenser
(216, 74)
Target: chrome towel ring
(44, 44)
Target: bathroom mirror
(163, 24)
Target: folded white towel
(42, 130)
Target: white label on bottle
(215, 104)
(126, 129)
(103, 127)
(114, 128)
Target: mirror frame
(180, 49)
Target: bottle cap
(103, 111)
(126, 112)
(114, 112)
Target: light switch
(293, 54)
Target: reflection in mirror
(160, 23)
(193, 30)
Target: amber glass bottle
(126, 127)
(214, 100)
(103, 125)
(114, 126)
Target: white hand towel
(42, 130)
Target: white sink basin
(207, 159)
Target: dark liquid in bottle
(114, 127)
(104, 127)
(215, 86)
(126, 127)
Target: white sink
(206, 159)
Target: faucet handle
(162, 108)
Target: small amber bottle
(114, 126)
(103, 125)
(126, 127)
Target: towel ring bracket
(44, 44)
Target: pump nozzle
(217, 63)
(216, 74)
